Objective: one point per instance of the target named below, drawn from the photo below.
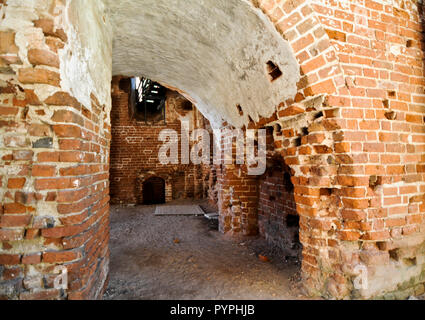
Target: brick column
(238, 201)
(237, 192)
(54, 155)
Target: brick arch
(145, 176)
(309, 138)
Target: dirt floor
(185, 257)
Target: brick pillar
(238, 201)
(237, 192)
(54, 155)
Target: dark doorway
(154, 191)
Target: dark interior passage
(154, 191)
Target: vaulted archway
(215, 52)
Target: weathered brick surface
(352, 138)
(277, 215)
(357, 162)
(135, 148)
(237, 201)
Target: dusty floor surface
(147, 263)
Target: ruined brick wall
(237, 191)
(278, 219)
(54, 154)
(238, 201)
(353, 137)
(353, 140)
(135, 148)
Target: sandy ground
(147, 263)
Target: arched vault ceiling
(215, 51)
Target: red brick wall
(353, 136)
(135, 147)
(54, 189)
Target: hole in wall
(297, 141)
(409, 43)
(381, 245)
(304, 131)
(393, 254)
(331, 160)
(292, 221)
(410, 262)
(318, 115)
(269, 130)
(25, 112)
(289, 186)
(147, 100)
(187, 105)
(273, 70)
(374, 181)
(277, 129)
(391, 94)
(125, 85)
(239, 109)
(386, 103)
(390, 115)
(326, 191)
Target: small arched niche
(153, 190)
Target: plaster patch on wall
(395, 50)
(18, 15)
(214, 50)
(86, 59)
